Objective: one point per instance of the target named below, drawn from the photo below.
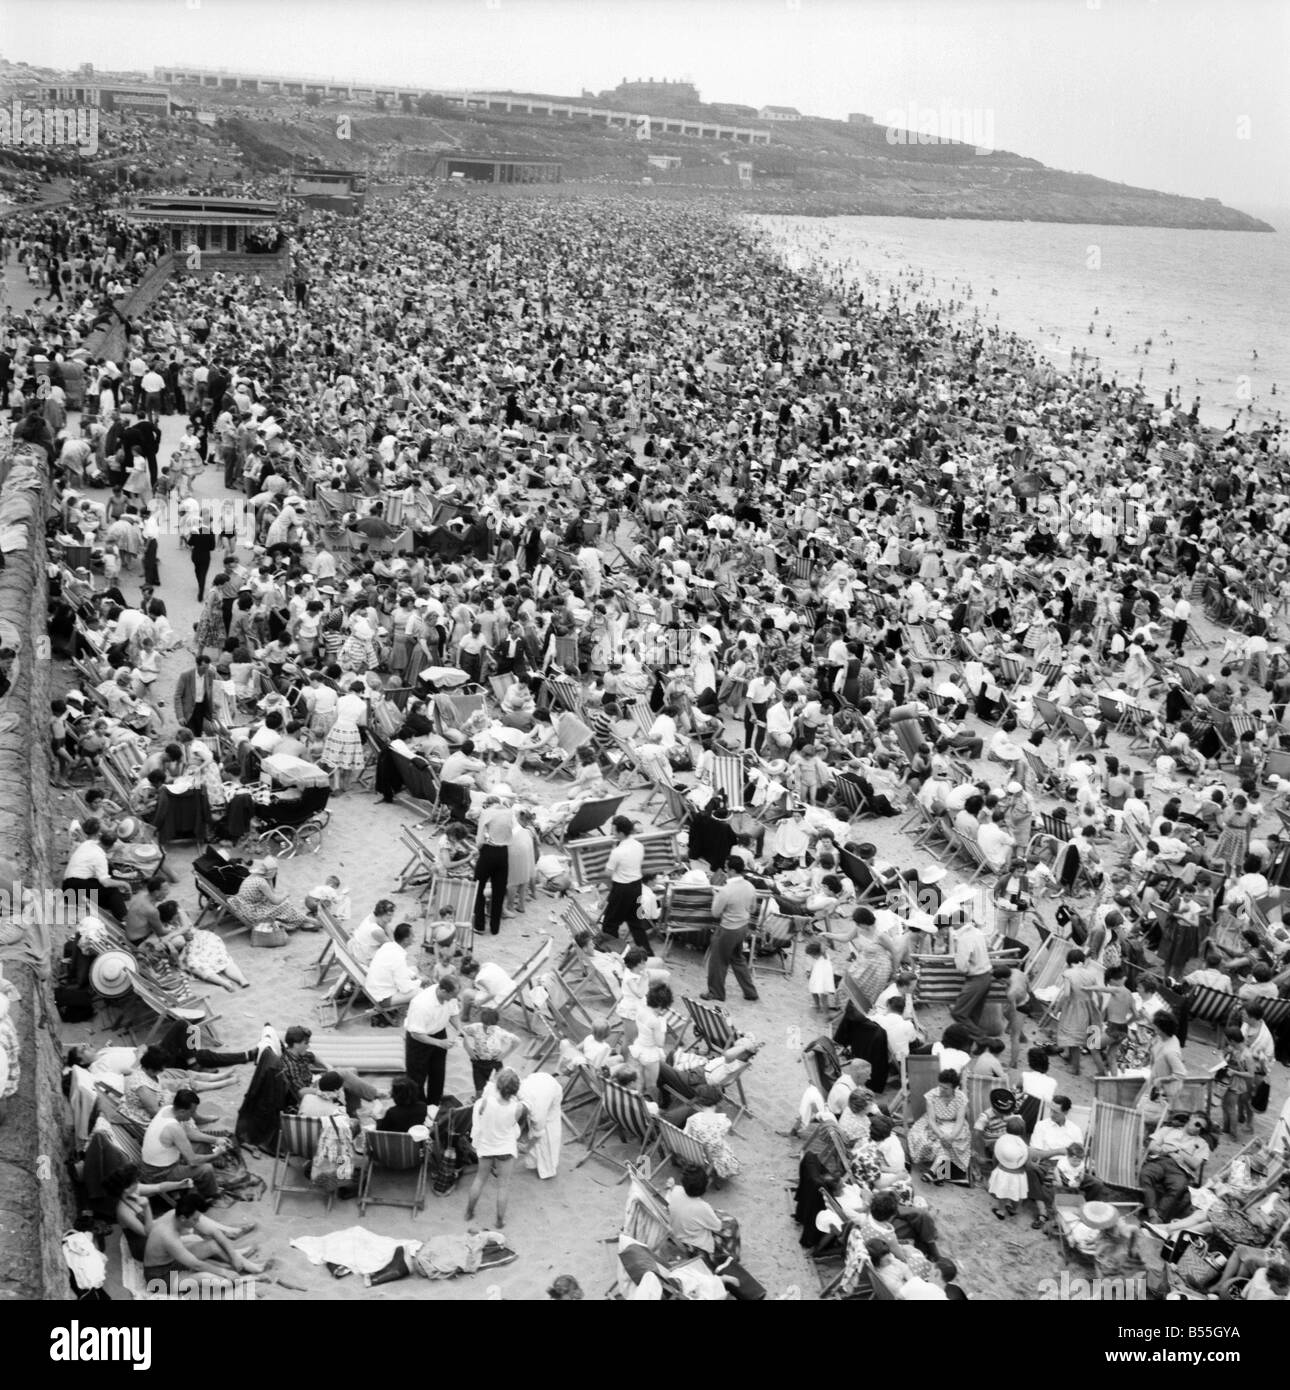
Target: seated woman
(455, 856)
(259, 901)
(941, 1140)
(409, 1107)
(204, 953)
(712, 1129)
(1236, 1216)
(713, 1236)
(518, 707)
(588, 785)
(151, 1084)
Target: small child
(1071, 1168)
(1119, 1010)
(593, 1051)
(332, 895)
(648, 909)
(111, 564)
(487, 1046)
(821, 983)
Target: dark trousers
(174, 1043)
(480, 1072)
(967, 1008)
(1164, 1188)
(196, 721)
(425, 1066)
(151, 571)
(620, 907)
(727, 953)
(917, 1228)
(201, 563)
(113, 899)
(491, 868)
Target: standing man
(972, 961)
(625, 869)
(733, 907)
(425, 1038)
(496, 828)
(202, 545)
(193, 696)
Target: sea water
(1204, 313)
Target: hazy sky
(1179, 95)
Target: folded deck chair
(591, 815)
(687, 914)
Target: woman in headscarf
(260, 901)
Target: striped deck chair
(640, 713)
(687, 914)
(565, 652)
(1115, 1143)
(728, 778)
(394, 1153)
(629, 1121)
(678, 1146)
(565, 693)
(850, 793)
(521, 984)
(918, 1073)
(1079, 730)
(1056, 826)
(1212, 1008)
(453, 900)
(170, 1000)
(675, 808)
(678, 643)
(1013, 672)
(347, 998)
(561, 1017)
(298, 1137)
(570, 735)
(773, 942)
(1276, 1013)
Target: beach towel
(355, 1248)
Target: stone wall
(34, 1195)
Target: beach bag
(268, 934)
(333, 1163)
(1260, 1096)
(1198, 1268)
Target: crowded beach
(608, 767)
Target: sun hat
(1099, 1216)
(1005, 1102)
(111, 974)
(1011, 1152)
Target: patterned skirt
(343, 747)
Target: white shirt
(389, 973)
(426, 1015)
(88, 861)
(1048, 1136)
(626, 861)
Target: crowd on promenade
(798, 561)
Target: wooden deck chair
(687, 913)
(522, 981)
(1211, 1008)
(1013, 672)
(167, 1006)
(1046, 963)
(728, 778)
(565, 693)
(561, 1017)
(975, 855)
(500, 685)
(591, 816)
(1276, 1013)
(452, 899)
(298, 1137)
(1068, 1208)
(675, 807)
(1115, 1143)
(565, 652)
(327, 956)
(850, 793)
(1049, 712)
(628, 1120)
(393, 1153)
(713, 1027)
(348, 998)
(773, 943)
(219, 907)
(1058, 827)
(1195, 1094)
(977, 1089)
(918, 1073)
(1079, 730)
(677, 1145)
(421, 862)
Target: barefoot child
(821, 983)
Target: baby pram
(290, 821)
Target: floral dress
(870, 971)
(924, 1143)
(711, 1129)
(205, 953)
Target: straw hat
(1004, 1101)
(1099, 1216)
(112, 973)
